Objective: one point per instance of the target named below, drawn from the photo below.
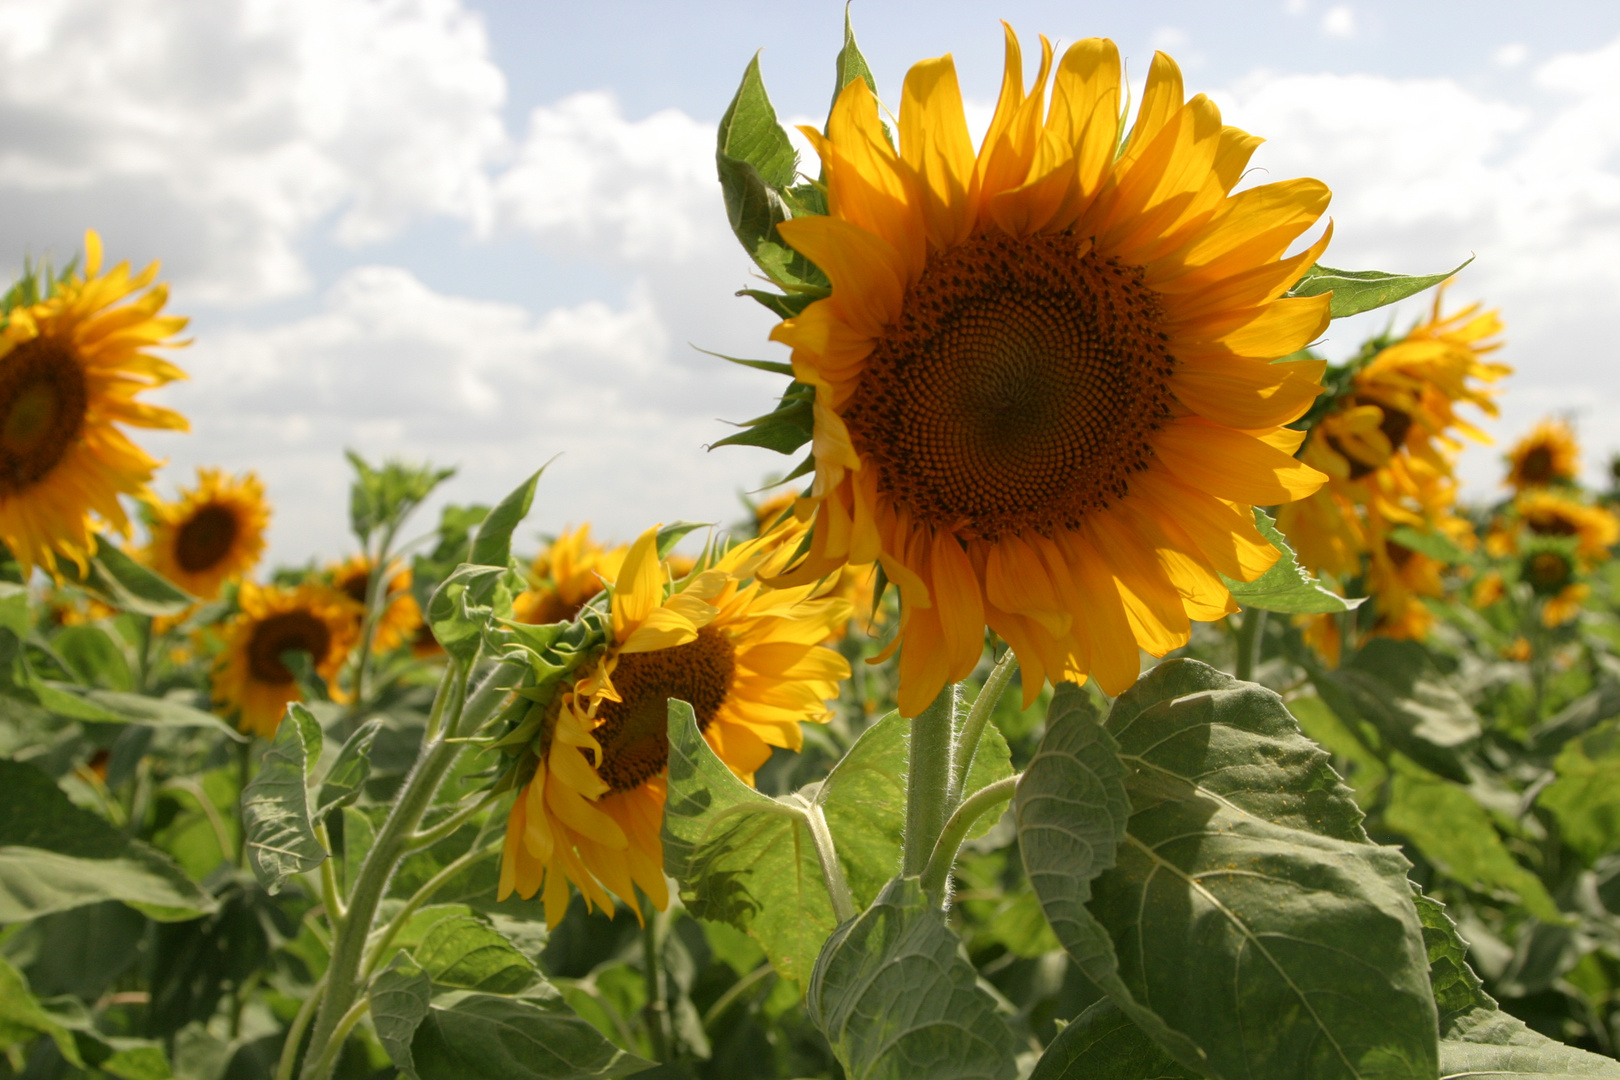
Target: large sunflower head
(1045, 396)
(1549, 455)
(212, 534)
(399, 616)
(749, 660)
(572, 570)
(251, 680)
(72, 364)
(1548, 513)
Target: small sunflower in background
(399, 617)
(1549, 514)
(572, 570)
(750, 660)
(250, 680)
(72, 364)
(1548, 456)
(1553, 573)
(212, 534)
(1045, 395)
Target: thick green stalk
(928, 780)
(1251, 631)
(371, 883)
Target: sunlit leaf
(280, 836)
(347, 776)
(1285, 587)
(1356, 291)
(472, 1036)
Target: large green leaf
(118, 707)
(119, 580)
(895, 997)
(464, 952)
(472, 1036)
(94, 657)
(1246, 911)
(1586, 796)
(1102, 1044)
(1394, 687)
(1455, 833)
(492, 544)
(748, 860)
(22, 1018)
(55, 856)
(1457, 990)
(346, 778)
(281, 838)
(1356, 291)
(1285, 586)
(399, 1000)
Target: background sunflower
(213, 533)
(250, 680)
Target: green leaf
(748, 860)
(1457, 990)
(358, 836)
(749, 132)
(55, 856)
(492, 545)
(347, 777)
(1356, 291)
(1455, 833)
(94, 657)
(1285, 587)
(116, 707)
(1488, 1044)
(673, 533)
(1435, 545)
(22, 1018)
(1102, 1044)
(1586, 796)
(464, 605)
(1394, 687)
(14, 613)
(119, 580)
(281, 837)
(471, 1036)
(895, 998)
(464, 952)
(1247, 925)
(784, 430)
(382, 498)
(851, 64)
(399, 1002)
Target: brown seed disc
(1550, 523)
(1537, 466)
(43, 399)
(277, 634)
(205, 538)
(1548, 571)
(634, 733)
(1019, 390)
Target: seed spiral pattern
(43, 401)
(1019, 390)
(634, 732)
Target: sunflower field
(1107, 686)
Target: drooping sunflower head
(251, 679)
(1044, 391)
(1548, 456)
(1546, 513)
(212, 534)
(398, 614)
(573, 569)
(72, 364)
(749, 660)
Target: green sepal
(785, 429)
(1358, 291)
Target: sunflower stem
(967, 743)
(656, 1009)
(928, 779)
(936, 877)
(1249, 637)
(832, 871)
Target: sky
(489, 234)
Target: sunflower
(250, 679)
(1549, 455)
(567, 574)
(1045, 397)
(1546, 513)
(71, 367)
(213, 533)
(748, 659)
(1400, 578)
(1552, 567)
(400, 616)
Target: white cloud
(1426, 171)
(217, 133)
(1339, 22)
(1511, 56)
(391, 367)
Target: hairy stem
(936, 876)
(967, 743)
(832, 872)
(295, 1033)
(928, 780)
(1249, 636)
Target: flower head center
(288, 630)
(205, 538)
(1548, 571)
(634, 732)
(1537, 466)
(43, 400)
(1018, 390)
(1550, 523)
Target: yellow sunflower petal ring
(212, 534)
(251, 681)
(1045, 396)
